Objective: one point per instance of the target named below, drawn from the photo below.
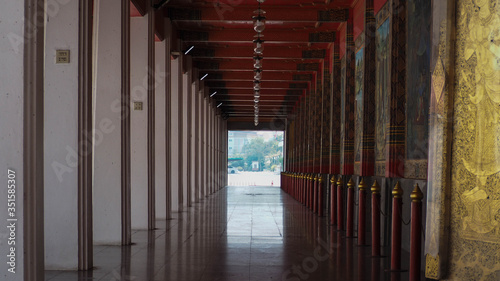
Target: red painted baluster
(315, 194)
(333, 202)
(397, 203)
(311, 194)
(416, 230)
(362, 213)
(340, 206)
(350, 209)
(320, 195)
(375, 219)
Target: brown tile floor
(238, 234)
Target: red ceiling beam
(263, 93)
(269, 65)
(249, 84)
(271, 52)
(266, 76)
(261, 106)
(247, 36)
(243, 14)
(268, 99)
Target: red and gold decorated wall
(358, 18)
(417, 87)
(382, 87)
(378, 4)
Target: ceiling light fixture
(259, 25)
(256, 85)
(220, 104)
(213, 94)
(258, 74)
(189, 50)
(204, 76)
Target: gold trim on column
(125, 124)
(34, 255)
(85, 128)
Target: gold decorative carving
(475, 193)
(479, 95)
(432, 266)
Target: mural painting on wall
(418, 78)
(382, 88)
(359, 102)
(476, 147)
(475, 196)
(342, 107)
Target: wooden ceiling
(298, 37)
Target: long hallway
(238, 233)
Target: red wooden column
(362, 212)
(340, 205)
(333, 202)
(416, 233)
(350, 209)
(375, 219)
(397, 203)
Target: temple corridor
(239, 233)
(116, 153)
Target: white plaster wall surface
(194, 113)
(11, 131)
(160, 122)
(185, 133)
(61, 158)
(139, 118)
(107, 149)
(174, 141)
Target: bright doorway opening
(255, 158)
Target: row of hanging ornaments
(259, 24)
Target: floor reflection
(240, 233)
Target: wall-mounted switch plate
(137, 105)
(62, 56)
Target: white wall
(194, 114)
(160, 123)
(186, 90)
(174, 141)
(207, 147)
(139, 121)
(107, 102)
(202, 146)
(61, 140)
(11, 126)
